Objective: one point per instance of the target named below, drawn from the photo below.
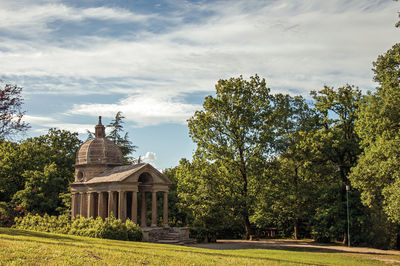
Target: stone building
(103, 185)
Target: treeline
(277, 161)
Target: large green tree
(339, 145)
(235, 129)
(285, 192)
(377, 175)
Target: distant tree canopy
(10, 112)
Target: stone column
(143, 210)
(122, 206)
(111, 203)
(73, 203)
(134, 207)
(153, 209)
(83, 204)
(165, 209)
(90, 204)
(101, 207)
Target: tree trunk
(245, 210)
(247, 226)
(296, 187)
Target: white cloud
(42, 124)
(37, 119)
(33, 19)
(149, 157)
(296, 45)
(144, 110)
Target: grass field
(19, 247)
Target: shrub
(133, 230)
(110, 228)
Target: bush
(133, 230)
(110, 228)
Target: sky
(156, 60)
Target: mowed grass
(20, 247)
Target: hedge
(110, 228)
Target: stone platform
(167, 235)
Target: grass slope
(26, 247)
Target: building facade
(104, 186)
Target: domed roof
(99, 150)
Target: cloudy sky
(156, 60)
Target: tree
(115, 135)
(206, 195)
(235, 130)
(42, 171)
(377, 175)
(292, 178)
(289, 193)
(338, 141)
(176, 215)
(12, 165)
(10, 111)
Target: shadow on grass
(19, 232)
(282, 245)
(149, 250)
(115, 247)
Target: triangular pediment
(157, 176)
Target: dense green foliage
(276, 161)
(237, 130)
(377, 174)
(110, 228)
(35, 173)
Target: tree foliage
(35, 173)
(120, 138)
(10, 112)
(377, 174)
(207, 193)
(234, 129)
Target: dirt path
(386, 256)
(305, 245)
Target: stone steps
(167, 235)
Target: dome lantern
(100, 131)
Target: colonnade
(102, 204)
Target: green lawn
(20, 247)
